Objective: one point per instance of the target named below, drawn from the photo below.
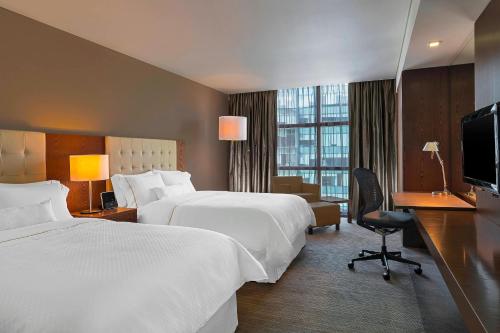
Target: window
(313, 137)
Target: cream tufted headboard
(136, 155)
(22, 156)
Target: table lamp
(433, 147)
(232, 128)
(89, 168)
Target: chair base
(385, 256)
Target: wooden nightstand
(119, 215)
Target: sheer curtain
(372, 109)
(252, 163)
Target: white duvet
(270, 226)
(88, 275)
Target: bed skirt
(225, 320)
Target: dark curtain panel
(252, 163)
(372, 111)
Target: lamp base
(91, 211)
(446, 192)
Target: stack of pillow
(23, 205)
(138, 190)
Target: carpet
(318, 293)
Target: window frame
(318, 125)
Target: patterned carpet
(319, 293)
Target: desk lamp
(433, 147)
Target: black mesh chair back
(370, 193)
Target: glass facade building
(313, 137)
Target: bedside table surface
(117, 214)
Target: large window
(313, 137)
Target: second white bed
(270, 226)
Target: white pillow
(123, 192)
(176, 178)
(17, 196)
(143, 186)
(117, 181)
(18, 217)
(44, 182)
(172, 190)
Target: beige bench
(326, 214)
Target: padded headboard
(136, 155)
(22, 156)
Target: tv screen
(479, 149)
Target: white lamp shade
(232, 128)
(431, 146)
(88, 167)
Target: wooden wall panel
(425, 118)
(434, 100)
(180, 156)
(461, 104)
(59, 147)
(487, 80)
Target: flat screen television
(480, 148)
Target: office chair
(382, 222)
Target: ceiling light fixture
(434, 44)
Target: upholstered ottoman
(326, 214)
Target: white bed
(88, 275)
(270, 226)
(61, 274)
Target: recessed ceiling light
(433, 44)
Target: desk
(425, 201)
(466, 248)
(419, 200)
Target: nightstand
(118, 214)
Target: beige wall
(56, 82)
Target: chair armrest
(312, 188)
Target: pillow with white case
(143, 186)
(18, 217)
(117, 182)
(172, 191)
(176, 178)
(43, 182)
(123, 192)
(30, 194)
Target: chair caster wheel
(350, 265)
(387, 276)
(418, 270)
(361, 254)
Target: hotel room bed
(60, 274)
(270, 226)
(89, 275)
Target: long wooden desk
(424, 201)
(466, 248)
(420, 200)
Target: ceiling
(251, 45)
(449, 21)
(241, 45)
